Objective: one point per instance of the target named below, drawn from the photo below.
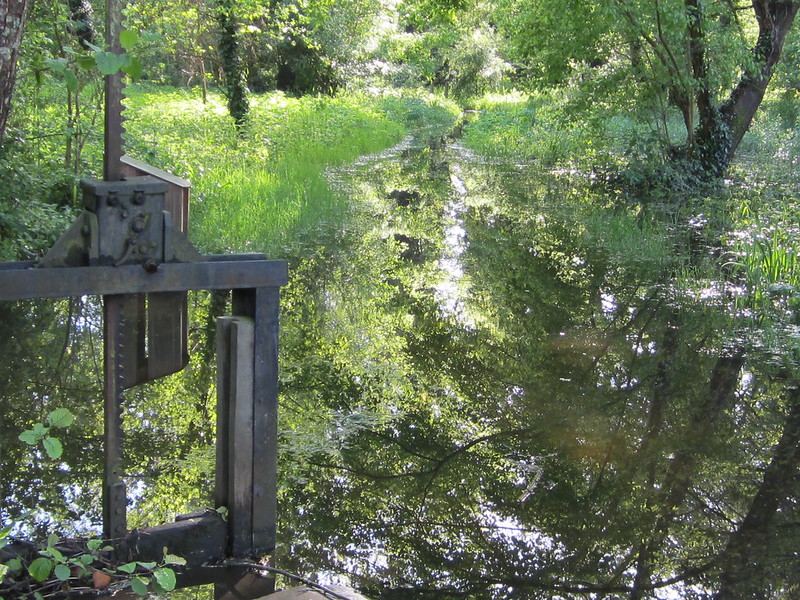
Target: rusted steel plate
(21, 284)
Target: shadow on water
(527, 388)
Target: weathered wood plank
(240, 441)
(265, 421)
(223, 410)
(21, 284)
(166, 333)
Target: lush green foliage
(260, 190)
(554, 365)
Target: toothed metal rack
(126, 248)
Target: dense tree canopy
(712, 60)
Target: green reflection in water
(526, 389)
(497, 382)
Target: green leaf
(147, 565)
(86, 62)
(152, 36)
(62, 572)
(29, 437)
(41, 568)
(139, 586)
(71, 80)
(53, 539)
(165, 577)
(54, 554)
(134, 69)
(94, 545)
(53, 447)
(57, 65)
(61, 417)
(15, 564)
(3, 570)
(108, 63)
(128, 39)
(39, 429)
(127, 568)
(86, 559)
(173, 559)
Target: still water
(498, 381)
(535, 387)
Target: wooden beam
(27, 283)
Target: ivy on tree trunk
(234, 78)
(723, 128)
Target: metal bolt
(112, 199)
(138, 197)
(139, 224)
(150, 266)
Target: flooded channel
(535, 388)
(498, 381)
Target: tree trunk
(12, 23)
(81, 14)
(235, 88)
(775, 18)
(743, 560)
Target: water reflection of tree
(577, 424)
(591, 430)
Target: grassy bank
(258, 189)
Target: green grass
(261, 190)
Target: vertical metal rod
(112, 159)
(114, 493)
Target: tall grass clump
(258, 189)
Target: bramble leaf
(29, 437)
(128, 39)
(41, 568)
(62, 572)
(139, 586)
(165, 577)
(127, 567)
(94, 545)
(134, 69)
(108, 63)
(15, 564)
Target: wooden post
(247, 434)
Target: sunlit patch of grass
(254, 190)
(526, 127)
